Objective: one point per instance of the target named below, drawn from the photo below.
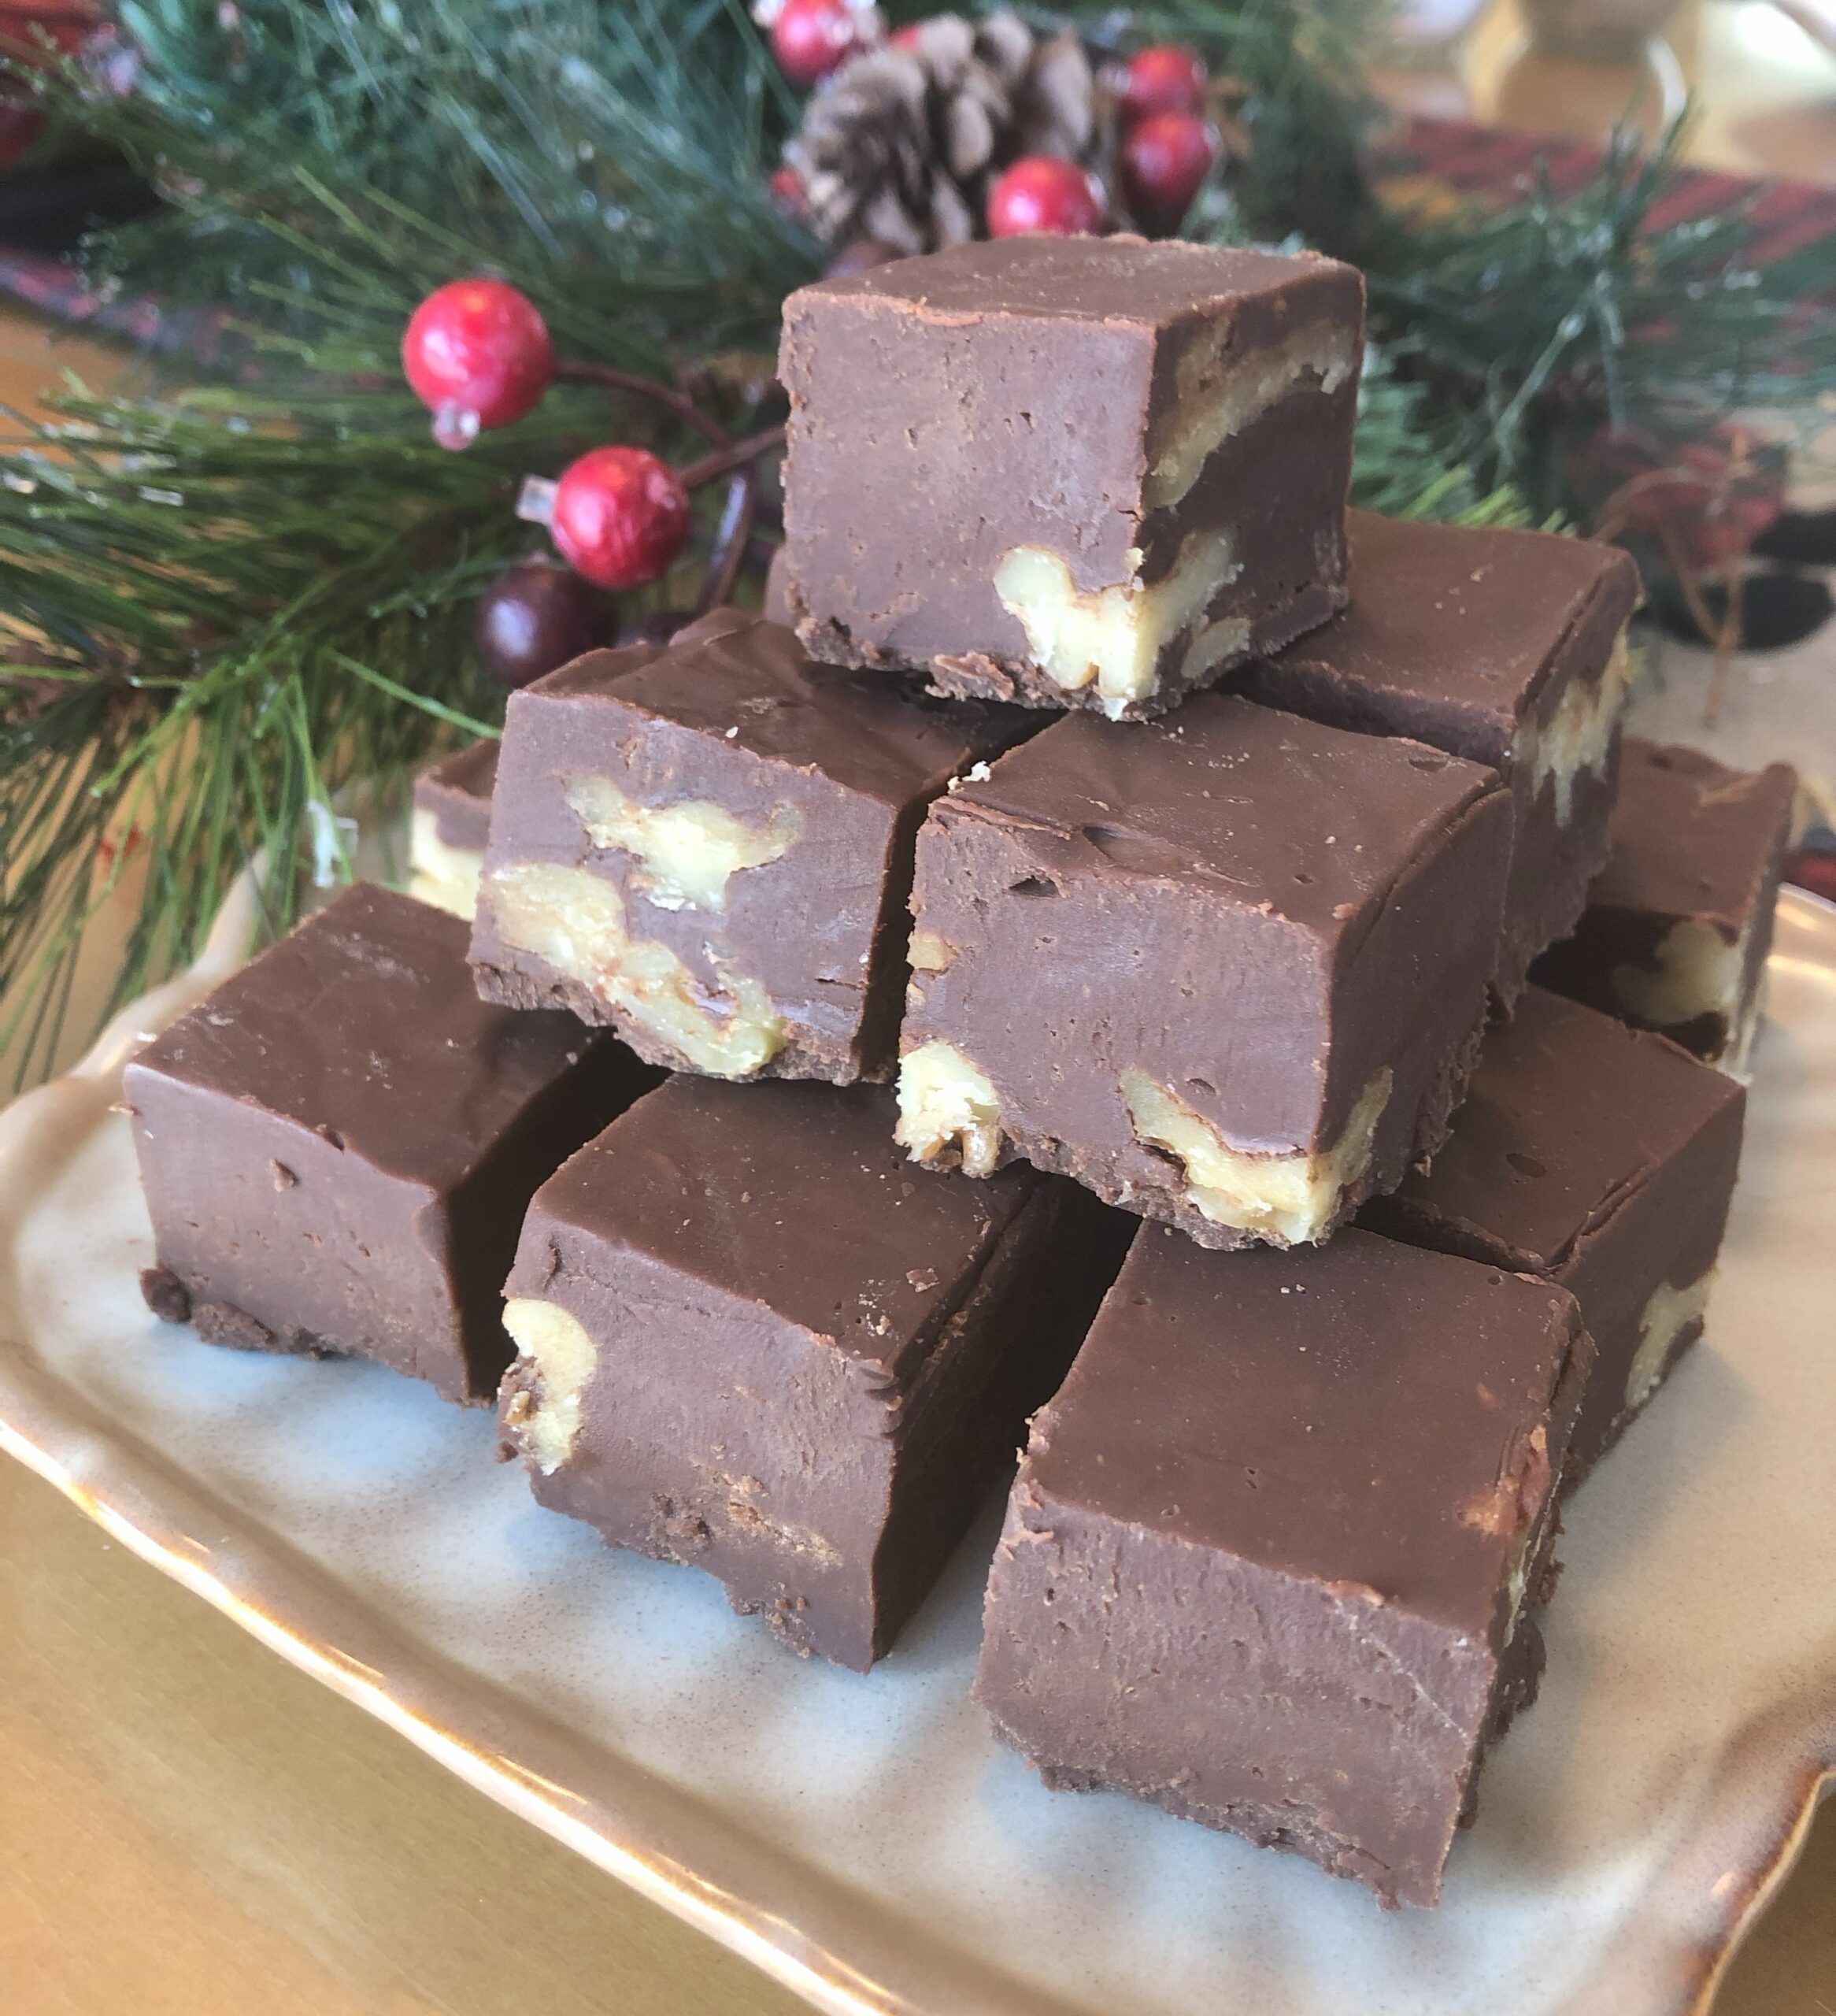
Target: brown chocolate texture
(456, 791)
(775, 606)
(337, 1146)
(449, 826)
(1085, 473)
(1505, 647)
(1272, 1554)
(764, 1345)
(1227, 970)
(1677, 928)
(1603, 1159)
(709, 847)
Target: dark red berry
(1165, 78)
(619, 516)
(1164, 160)
(658, 627)
(1041, 193)
(537, 615)
(811, 38)
(477, 354)
(860, 255)
(786, 186)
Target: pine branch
(1407, 464)
(188, 587)
(1532, 328)
(327, 166)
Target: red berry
(1164, 160)
(908, 37)
(619, 516)
(786, 188)
(811, 38)
(1043, 194)
(477, 353)
(1165, 78)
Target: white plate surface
(864, 1839)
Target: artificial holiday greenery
(232, 594)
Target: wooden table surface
(189, 1827)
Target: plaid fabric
(1454, 157)
(56, 288)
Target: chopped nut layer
(574, 921)
(544, 1416)
(687, 852)
(445, 875)
(945, 1102)
(1116, 635)
(1666, 1316)
(1218, 396)
(1290, 1199)
(1579, 735)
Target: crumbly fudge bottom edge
(982, 675)
(1170, 1205)
(1515, 1686)
(174, 1298)
(524, 981)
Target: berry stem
(736, 455)
(732, 538)
(639, 388)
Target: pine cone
(899, 144)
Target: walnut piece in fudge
(1677, 928)
(755, 1340)
(450, 823)
(1070, 472)
(1228, 970)
(709, 847)
(1304, 1613)
(1603, 1158)
(337, 1147)
(1505, 647)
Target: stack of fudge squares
(1141, 963)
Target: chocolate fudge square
(1070, 472)
(1272, 1556)
(1604, 1159)
(1677, 928)
(755, 1340)
(449, 825)
(337, 1147)
(709, 847)
(1228, 970)
(1505, 647)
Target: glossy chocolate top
(793, 1196)
(1692, 838)
(363, 1026)
(1211, 792)
(1453, 632)
(1363, 1413)
(1568, 1113)
(456, 791)
(739, 678)
(1119, 279)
